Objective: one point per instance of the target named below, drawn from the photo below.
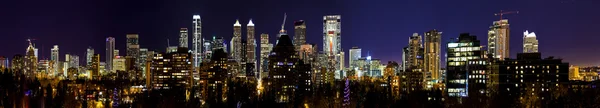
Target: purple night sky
(565, 28)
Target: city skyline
(475, 22)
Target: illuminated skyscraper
(236, 41)
(54, 58)
(432, 53)
(300, 34)
(265, 50)
(251, 48)
(498, 39)
(110, 47)
(460, 51)
(332, 43)
(88, 56)
(332, 34)
(530, 43)
(355, 54)
(282, 72)
(143, 57)
(133, 47)
(31, 61)
(183, 37)
(95, 73)
(196, 51)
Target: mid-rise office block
(459, 52)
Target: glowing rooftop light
(237, 23)
(196, 17)
(528, 34)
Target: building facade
(459, 52)
(183, 37)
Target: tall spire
(250, 23)
(283, 24)
(237, 23)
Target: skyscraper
(110, 47)
(236, 41)
(265, 49)
(530, 43)
(432, 53)
(143, 57)
(332, 34)
(284, 76)
(197, 41)
(133, 47)
(355, 54)
(31, 61)
(183, 37)
(300, 34)
(460, 51)
(88, 56)
(498, 39)
(208, 49)
(251, 47)
(332, 42)
(54, 57)
(95, 73)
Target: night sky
(565, 28)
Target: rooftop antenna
(168, 44)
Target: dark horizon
(565, 28)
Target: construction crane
(505, 12)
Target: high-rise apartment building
(110, 47)
(183, 37)
(197, 41)
(299, 34)
(530, 43)
(415, 53)
(432, 53)
(460, 51)
(133, 47)
(498, 39)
